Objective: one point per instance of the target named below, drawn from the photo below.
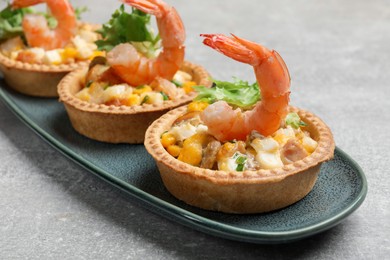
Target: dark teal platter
(340, 189)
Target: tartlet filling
(82, 47)
(102, 86)
(189, 141)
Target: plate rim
(186, 217)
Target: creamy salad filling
(188, 140)
(103, 87)
(82, 47)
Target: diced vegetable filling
(106, 88)
(81, 48)
(188, 140)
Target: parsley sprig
(240, 161)
(293, 120)
(11, 22)
(131, 27)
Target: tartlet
(240, 192)
(118, 124)
(36, 51)
(38, 80)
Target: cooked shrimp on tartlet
(142, 76)
(42, 47)
(240, 147)
(141, 71)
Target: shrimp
(36, 29)
(166, 86)
(274, 81)
(136, 69)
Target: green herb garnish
(177, 83)
(146, 98)
(240, 160)
(237, 93)
(89, 83)
(11, 22)
(240, 167)
(293, 120)
(128, 28)
(165, 96)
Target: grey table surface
(338, 54)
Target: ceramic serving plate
(340, 188)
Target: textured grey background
(338, 53)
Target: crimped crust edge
(75, 76)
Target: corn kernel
(191, 153)
(197, 106)
(96, 54)
(69, 53)
(143, 89)
(174, 150)
(280, 138)
(201, 138)
(228, 146)
(192, 150)
(133, 100)
(167, 139)
(187, 86)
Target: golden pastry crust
(240, 192)
(35, 79)
(118, 124)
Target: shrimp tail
(237, 48)
(16, 4)
(149, 7)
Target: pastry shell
(240, 192)
(35, 79)
(118, 124)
